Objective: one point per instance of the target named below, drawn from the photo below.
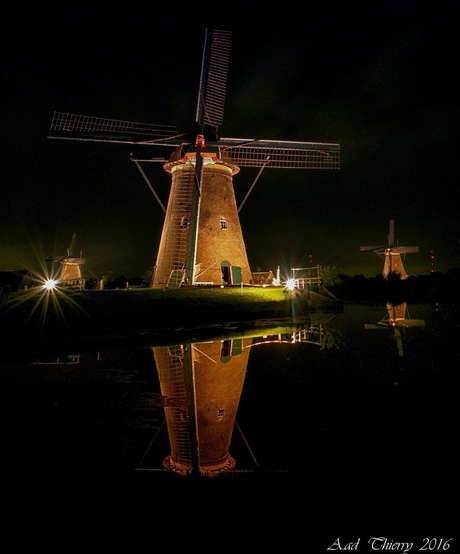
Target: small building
(262, 277)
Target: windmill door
(231, 274)
(237, 277)
(226, 270)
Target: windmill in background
(100, 281)
(70, 276)
(202, 241)
(391, 254)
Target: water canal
(339, 425)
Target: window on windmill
(184, 222)
(220, 414)
(226, 350)
(223, 223)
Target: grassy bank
(34, 317)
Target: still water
(338, 425)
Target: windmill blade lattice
(284, 155)
(213, 79)
(100, 129)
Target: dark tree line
(435, 287)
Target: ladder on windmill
(180, 214)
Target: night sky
(380, 78)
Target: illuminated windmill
(391, 254)
(70, 275)
(201, 241)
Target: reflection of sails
(398, 318)
(201, 386)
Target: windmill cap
(209, 158)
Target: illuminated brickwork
(393, 264)
(220, 252)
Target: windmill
(70, 275)
(201, 241)
(100, 281)
(391, 254)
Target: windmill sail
(281, 154)
(391, 233)
(72, 245)
(213, 79)
(100, 129)
(245, 152)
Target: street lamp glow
(290, 284)
(50, 284)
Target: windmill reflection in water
(398, 319)
(201, 385)
(398, 314)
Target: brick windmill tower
(201, 386)
(202, 241)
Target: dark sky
(380, 78)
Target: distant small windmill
(202, 241)
(391, 254)
(100, 280)
(70, 275)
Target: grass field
(36, 316)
